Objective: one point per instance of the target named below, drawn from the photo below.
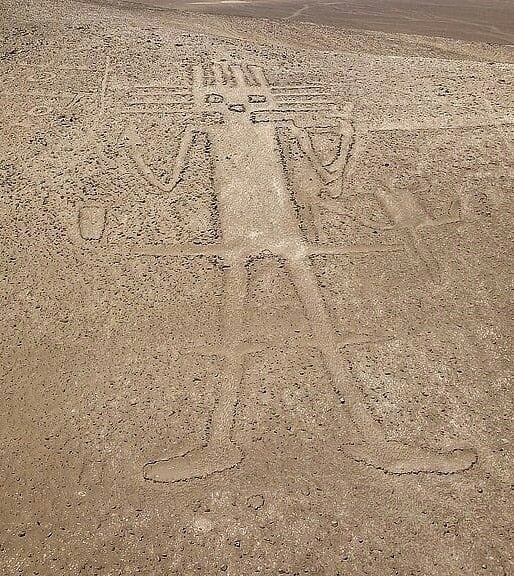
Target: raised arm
(331, 172)
(160, 186)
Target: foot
(396, 458)
(194, 464)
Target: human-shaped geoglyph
(240, 114)
(409, 217)
(398, 197)
(327, 146)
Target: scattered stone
(236, 107)
(256, 98)
(214, 98)
(256, 501)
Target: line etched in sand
(102, 92)
(410, 218)
(161, 186)
(257, 217)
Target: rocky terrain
(255, 287)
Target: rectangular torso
(254, 202)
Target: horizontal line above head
(301, 94)
(160, 87)
(307, 110)
(309, 103)
(155, 112)
(38, 92)
(283, 114)
(185, 104)
(279, 87)
(169, 94)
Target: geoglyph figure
(396, 196)
(241, 114)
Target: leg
(317, 220)
(309, 220)
(453, 216)
(220, 453)
(419, 253)
(375, 451)
(417, 247)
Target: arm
(330, 172)
(147, 173)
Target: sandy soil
(473, 20)
(255, 287)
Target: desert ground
(256, 296)
(475, 20)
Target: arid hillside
(472, 20)
(255, 287)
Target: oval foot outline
(396, 458)
(198, 463)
